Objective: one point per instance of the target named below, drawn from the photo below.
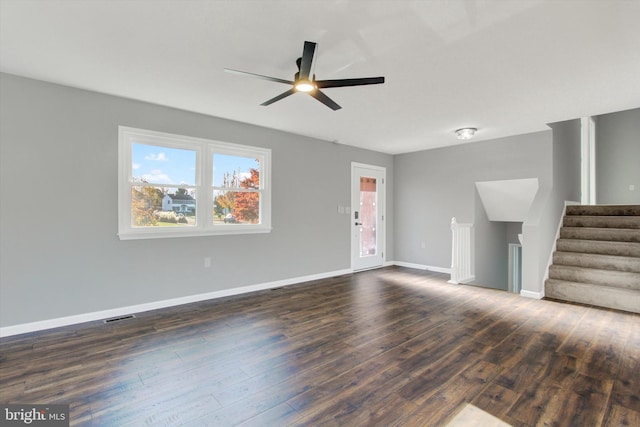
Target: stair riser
(605, 234)
(603, 262)
(602, 296)
(627, 249)
(632, 222)
(614, 210)
(618, 279)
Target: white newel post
(461, 252)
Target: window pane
(236, 207)
(175, 185)
(368, 216)
(235, 171)
(162, 207)
(162, 165)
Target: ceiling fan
(303, 81)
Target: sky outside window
(163, 165)
(174, 166)
(228, 164)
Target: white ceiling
(506, 67)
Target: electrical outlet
(632, 187)
(207, 262)
(423, 245)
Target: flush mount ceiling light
(466, 133)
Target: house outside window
(179, 186)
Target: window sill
(163, 234)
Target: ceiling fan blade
(279, 97)
(349, 82)
(307, 60)
(260, 76)
(325, 100)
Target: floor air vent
(119, 319)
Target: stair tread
(602, 228)
(605, 247)
(620, 257)
(600, 261)
(588, 254)
(600, 243)
(604, 270)
(602, 221)
(596, 276)
(598, 295)
(596, 242)
(622, 210)
(603, 216)
(591, 286)
(562, 281)
(608, 234)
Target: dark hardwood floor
(389, 347)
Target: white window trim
(204, 148)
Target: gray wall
(433, 186)
(513, 229)
(539, 231)
(566, 160)
(59, 253)
(618, 157)
(491, 249)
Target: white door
(367, 216)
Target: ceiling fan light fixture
(305, 81)
(466, 133)
(305, 86)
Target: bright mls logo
(34, 415)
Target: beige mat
(471, 416)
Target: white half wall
(508, 200)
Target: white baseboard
(138, 308)
(529, 294)
(463, 281)
(422, 267)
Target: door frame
(382, 202)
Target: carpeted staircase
(597, 258)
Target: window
(179, 186)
